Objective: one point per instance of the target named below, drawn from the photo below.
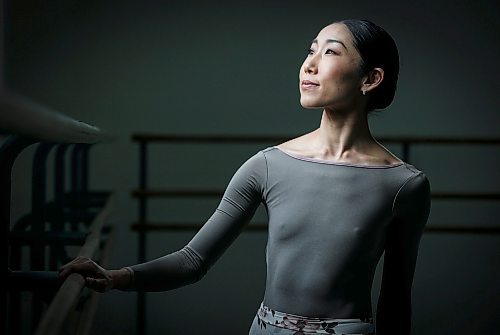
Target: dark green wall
(195, 67)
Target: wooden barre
(67, 296)
(85, 322)
(93, 239)
(61, 305)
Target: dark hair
(377, 49)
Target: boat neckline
(323, 161)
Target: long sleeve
(241, 199)
(411, 209)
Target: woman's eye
(330, 51)
(310, 51)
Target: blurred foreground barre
(53, 231)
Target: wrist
(122, 279)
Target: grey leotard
(329, 224)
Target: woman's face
(330, 75)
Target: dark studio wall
(200, 67)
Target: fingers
(96, 277)
(73, 266)
(83, 266)
(99, 285)
(67, 268)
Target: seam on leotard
(234, 203)
(401, 188)
(194, 261)
(264, 191)
(222, 211)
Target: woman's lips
(307, 84)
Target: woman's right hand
(96, 277)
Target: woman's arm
(410, 211)
(241, 199)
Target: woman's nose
(310, 65)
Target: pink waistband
(315, 325)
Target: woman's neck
(342, 134)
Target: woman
(336, 200)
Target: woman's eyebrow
(330, 41)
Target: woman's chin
(309, 104)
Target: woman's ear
(372, 79)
